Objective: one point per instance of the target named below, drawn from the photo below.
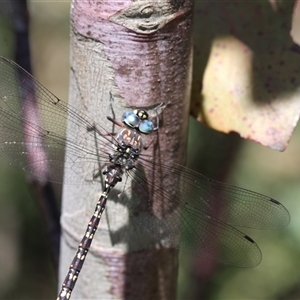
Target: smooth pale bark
(140, 52)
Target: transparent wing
(233, 205)
(32, 119)
(203, 212)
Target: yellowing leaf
(250, 81)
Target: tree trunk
(140, 53)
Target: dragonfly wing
(183, 226)
(33, 130)
(230, 204)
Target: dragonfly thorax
(127, 149)
(129, 138)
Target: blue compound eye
(146, 126)
(131, 119)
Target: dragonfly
(210, 220)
